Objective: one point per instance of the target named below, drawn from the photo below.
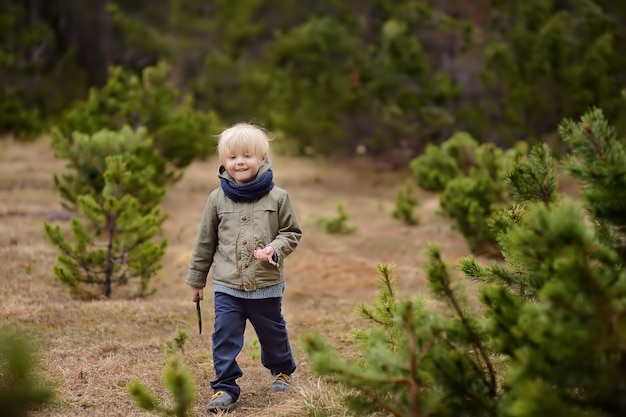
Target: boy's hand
(264, 254)
(195, 293)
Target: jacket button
(243, 218)
(245, 242)
(245, 266)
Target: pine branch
(415, 361)
(603, 301)
(90, 272)
(366, 313)
(596, 143)
(386, 298)
(109, 264)
(534, 177)
(444, 280)
(477, 399)
(600, 296)
(385, 405)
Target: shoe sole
(274, 388)
(218, 408)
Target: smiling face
(242, 165)
(242, 151)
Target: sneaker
(282, 382)
(220, 401)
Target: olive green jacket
(230, 231)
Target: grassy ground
(92, 350)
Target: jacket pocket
(266, 221)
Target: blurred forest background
(384, 76)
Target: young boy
(247, 229)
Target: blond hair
(244, 137)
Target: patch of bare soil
(92, 350)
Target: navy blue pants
(266, 317)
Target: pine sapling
(86, 162)
(181, 134)
(411, 362)
(177, 343)
(438, 165)
(434, 169)
(406, 201)
(177, 379)
(471, 200)
(531, 180)
(113, 242)
(555, 309)
(20, 390)
(339, 224)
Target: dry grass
(91, 350)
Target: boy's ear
(263, 158)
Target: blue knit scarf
(249, 191)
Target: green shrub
(440, 164)
(434, 169)
(462, 147)
(19, 120)
(86, 156)
(410, 358)
(472, 201)
(180, 133)
(21, 391)
(113, 241)
(176, 378)
(406, 201)
(469, 202)
(339, 224)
